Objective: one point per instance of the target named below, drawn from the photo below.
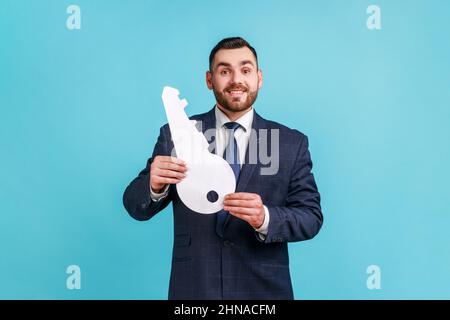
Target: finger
(244, 217)
(250, 219)
(241, 195)
(240, 210)
(172, 166)
(172, 159)
(163, 180)
(169, 174)
(241, 203)
(247, 218)
(161, 159)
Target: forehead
(234, 56)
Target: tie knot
(232, 125)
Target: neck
(233, 115)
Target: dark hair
(231, 43)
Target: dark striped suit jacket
(240, 265)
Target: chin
(238, 106)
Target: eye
(224, 72)
(246, 71)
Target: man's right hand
(166, 170)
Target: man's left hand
(245, 206)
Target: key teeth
(170, 92)
(183, 103)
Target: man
(240, 252)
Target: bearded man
(241, 252)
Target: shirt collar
(245, 121)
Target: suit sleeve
(137, 198)
(301, 217)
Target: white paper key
(209, 177)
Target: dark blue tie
(231, 155)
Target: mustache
(236, 87)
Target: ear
(209, 80)
(260, 79)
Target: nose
(237, 78)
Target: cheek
(220, 83)
(253, 83)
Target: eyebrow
(226, 64)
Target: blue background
(81, 109)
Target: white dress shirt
(242, 136)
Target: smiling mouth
(236, 92)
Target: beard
(235, 104)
